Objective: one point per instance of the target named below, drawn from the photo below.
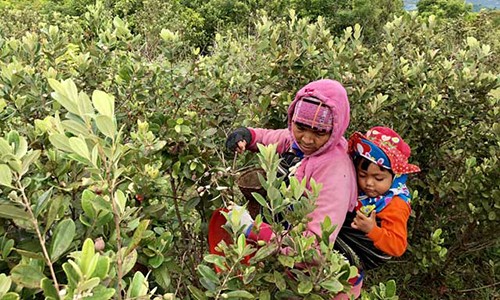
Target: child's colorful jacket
(330, 165)
(391, 236)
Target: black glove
(238, 135)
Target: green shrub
(443, 8)
(160, 159)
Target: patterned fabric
(390, 143)
(398, 188)
(370, 151)
(312, 112)
(384, 147)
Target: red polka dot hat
(390, 143)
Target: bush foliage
(113, 124)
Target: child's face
(374, 181)
(309, 140)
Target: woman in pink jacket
(317, 120)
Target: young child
(381, 161)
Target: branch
(41, 238)
(479, 288)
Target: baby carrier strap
(357, 247)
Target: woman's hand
(238, 139)
(364, 223)
(241, 146)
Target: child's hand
(364, 223)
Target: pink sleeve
(282, 137)
(337, 196)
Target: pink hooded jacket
(330, 165)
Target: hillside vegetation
(113, 121)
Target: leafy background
(114, 116)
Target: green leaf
(5, 176)
(28, 160)
(137, 237)
(27, 276)
(279, 280)
(209, 132)
(64, 94)
(49, 291)
(79, 146)
(73, 273)
(190, 204)
(219, 261)
(262, 201)
(14, 139)
(121, 200)
(237, 294)
(15, 165)
(56, 205)
(241, 242)
(86, 202)
(74, 127)
(21, 146)
(89, 284)
(208, 273)
(4, 148)
(10, 211)
(156, 260)
(12, 296)
(129, 260)
(5, 283)
(101, 293)
(249, 275)
(103, 103)
(332, 285)
(42, 202)
(100, 203)
(353, 271)
(264, 295)
(29, 254)
(264, 252)
(390, 288)
(102, 267)
(208, 285)
(162, 276)
(138, 287)
(304, 287)
(3, 104)
(62, 239)
(197, 293)
(326, 230)
(106, 125)
(88, 259)
(84, 105)
(7, 248)
(286, 261)
(60, 141)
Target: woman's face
(309, 140)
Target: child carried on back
(377, 230)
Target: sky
(478, 4)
